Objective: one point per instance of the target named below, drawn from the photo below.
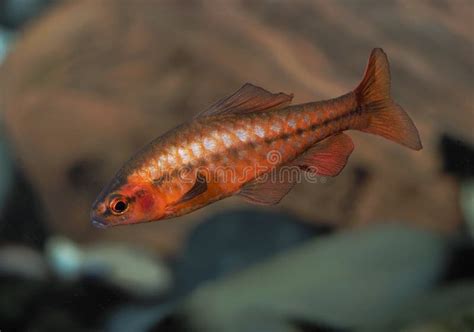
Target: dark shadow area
(22, 221)
(458, 156)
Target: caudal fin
(385, 117)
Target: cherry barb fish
(232, 147)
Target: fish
(252, 144)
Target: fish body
(235, 145)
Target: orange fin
(249, 98)
(327, 158)
(269, 189)
(198, 188)
(386, 118)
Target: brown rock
(92, 81)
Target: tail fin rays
(386, 118)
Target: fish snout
(97, 219)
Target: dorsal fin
(249, 98)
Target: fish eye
(119, 205)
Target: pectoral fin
(199, 187)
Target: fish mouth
(99, 224)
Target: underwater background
(385, 246)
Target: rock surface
(92, 81)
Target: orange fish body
(253, 144)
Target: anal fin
(327, 158)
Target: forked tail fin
(386, 118)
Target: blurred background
(385, 246)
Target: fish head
(131, 203)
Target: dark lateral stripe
(315, 126)
(234, 151)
